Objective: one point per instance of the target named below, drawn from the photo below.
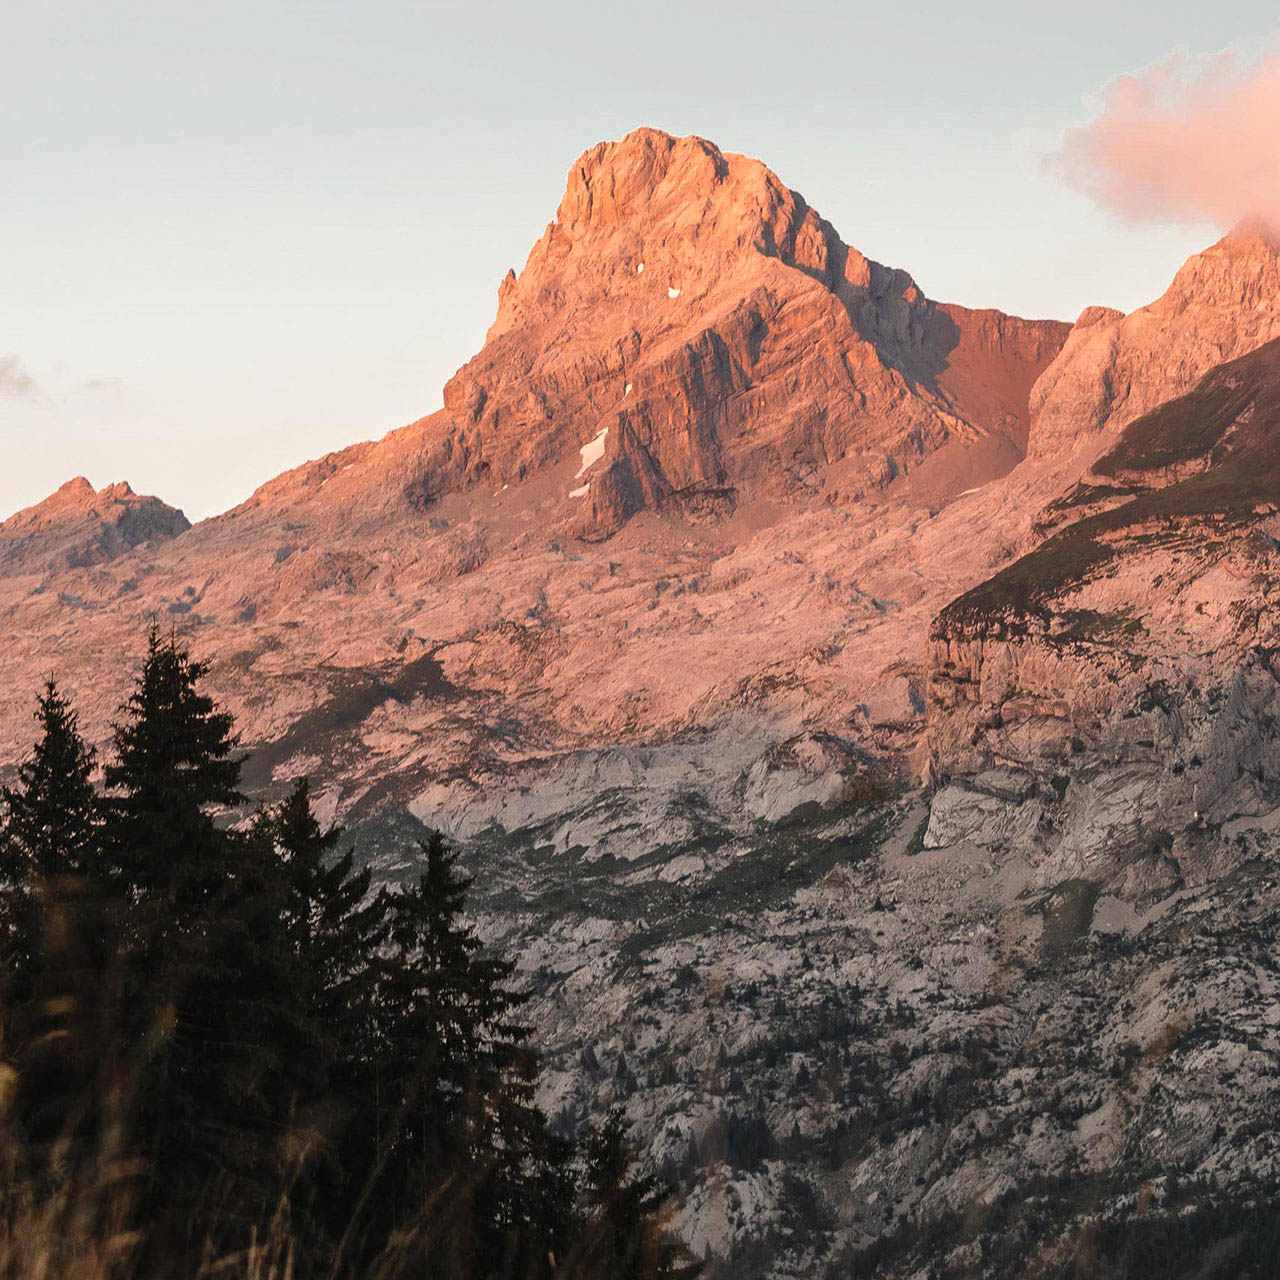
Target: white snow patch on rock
(591, 453)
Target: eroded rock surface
(1223, 303)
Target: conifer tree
(624, 1237)
(455, 1077)
(337, 927)
(52, 818)
(274, 1007)
(337, 924)
(214, 972)
(175, 765)
(55, 936)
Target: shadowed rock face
(79, 526)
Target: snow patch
(591, 453)
(627, 391)
(673, 292)
(639, 268)
(579, 493)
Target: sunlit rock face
(726, 344)
(1223, 303)
(690, 484)
(1141, 630)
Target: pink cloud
(1187, 140)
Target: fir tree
(56, 938)
(52, 818)
(214, 970)
(455, 1077)
(175, 765)
(625, 1239)
(337, 927)
(297, 1040)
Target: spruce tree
(175, 766)
(337, 928)
(455, 1080)
(296, 1039)
(214, 972)
(51, 828)
(52, 818)
(56, 935)
(624, 1237)
(338, 925)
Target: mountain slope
(677, 720)
(719, 439)
(1142, 634)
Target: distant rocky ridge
(79, 526)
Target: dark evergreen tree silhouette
(55, 932)
(52, 818)
(338, 927)
(291, 1040)
(337, 924)
(624, 1238)
(212, 967)
(51, 830)
(457, 1119)
(176, 765)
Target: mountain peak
(78, 525)
(1237, 270)
(697, 327)
(679, 212)
(77, 490)
(615, 180)
(679, 289)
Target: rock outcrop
(79, 526)
(653, 617)
(1223, 303)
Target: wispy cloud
(1186, 140)
(112, 390)
(15, 382)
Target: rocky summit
(859, 712)
(79, 526)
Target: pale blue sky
(237, 235)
